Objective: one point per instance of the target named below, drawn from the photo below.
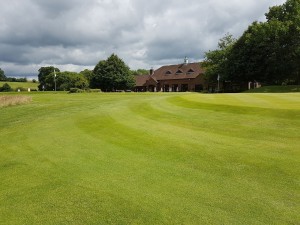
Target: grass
(21, 85)
(151, 158)
(276, 89)
(13, 100)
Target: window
(179, 72)
(168, 72)
(190, 71)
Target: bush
(75, 90)
(21, 89)
(92, 90)
(5, 88)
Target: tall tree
(112, 74)
(267, 51)
(2, 75)
(258, 54)
(139, 72)
(216, 61)
(44, 72)
(88, 74)
(66, 80)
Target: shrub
(5, 88)
(21, 89)
(75, 90)
(93, 90)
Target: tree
(2, 75)
(65, 81)
(258, 54)
(112, 74)
(88, 74)
(216, 61)
(5, 88)
(139, 72)
(268, 51)
(44, 72)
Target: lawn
(151, 158)
(20, 85)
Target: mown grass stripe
(157, 158)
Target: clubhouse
(172, 78)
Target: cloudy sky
(75, 34)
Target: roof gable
(180, 71)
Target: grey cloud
(76, 34)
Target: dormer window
(179, 72)
(190, 71)
(168, 72)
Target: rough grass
(151, 159)
(10, 100)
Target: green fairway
(151, 158)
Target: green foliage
(112, 74)
(76, 90)
(43, 76)
(2, 75)
(88, 74)
(139, 72)
(65, 81)
(14, 79)
(268, 52)
(5, 88)
(216, 61)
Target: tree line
(111, 74)
(10, 79)
(108, 75)
(267, 52)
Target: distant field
(25, 85)
(276, 89)
(151, 158)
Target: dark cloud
(76, 34)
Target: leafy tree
(259, 54)
(139, 72)
(112, 74)
(65, 81)
(267, 51)
(5, 88)
(2, 75)
(216, 61)
(88, 74)
(44, 72)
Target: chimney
(151, 71)
(186, 61)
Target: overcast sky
(76, 34)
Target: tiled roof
(181, 71)
(140, 80)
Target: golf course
(150, 158)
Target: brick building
(172, 78)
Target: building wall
(182, 85)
